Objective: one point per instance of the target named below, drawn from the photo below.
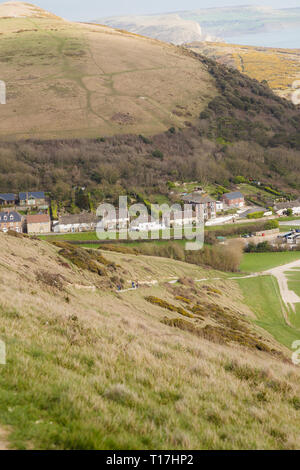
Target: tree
(272, 224)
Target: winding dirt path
(289, 297)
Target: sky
(82, 10)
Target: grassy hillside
(78, 80)
(279, 67)
(178, 366)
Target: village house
(33, 199)
(235, 199)
(84, 222)
(219, 206)
(282, 207)
(182, 218)
(11, 220)
(8, 199)
(146, 224)
(115, 221)
(205, 205)
(39, 223)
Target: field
(157, 236)
(294, 285)
(294, 280)
(279, 67)
(262, 295)
(78, 80)
(94, 369)
(257, 262)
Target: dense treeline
(245, 131)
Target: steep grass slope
(279, 67)
(168, 366)
(79, 80)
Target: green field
(294, 284)
(294, 318)
(294, 280)
(257, 262)
(157, 236)
(262, 295)
(286, 228)
(82, 236)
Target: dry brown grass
(279, 67)
(78, 80)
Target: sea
(286, 39)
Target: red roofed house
(39, 223)
(235, 199)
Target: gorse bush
(89, 260)
(168, 306)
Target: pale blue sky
(90, 9)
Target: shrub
(171, 185)
(50, 279)
(295, 402)
(88, 260)
(12, 233)
(157, 154)
(255, 215)
(168, 306)
(272, 224)
(239, 180)
(183, 299)
(144, 139)
(182, 325)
